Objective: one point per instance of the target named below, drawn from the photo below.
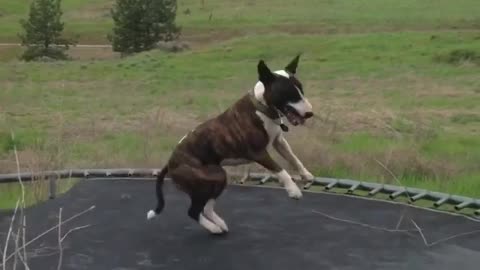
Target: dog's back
(236, 133)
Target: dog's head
(283, 91)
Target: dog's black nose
(308, 115)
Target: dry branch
(7, 240)
(399, 223)
(443, 239)
(44, 233)
(16, 237)
(74, 229)
(420, 232)
(22, 217)
(418, 229)
(362, 224)
(394, 177)
(24, 232)
(60, 248)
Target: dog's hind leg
(214, 217)
(204, 185)
(195, 212)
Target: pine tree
(140, 24)
(43, 31)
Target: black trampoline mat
(268, 230)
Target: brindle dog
(243, 133)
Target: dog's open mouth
(293, 116)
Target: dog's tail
(159, 189)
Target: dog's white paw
(151, 214)
(216, 230)
(294, 192)
(210, 226)
(222, 225)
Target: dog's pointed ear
(292, 67)
(264, 74)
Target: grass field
(387, 87)
(220, 19)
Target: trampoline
(268, 230)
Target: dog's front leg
(266, 161)
(284, 149)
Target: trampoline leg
(210, 214)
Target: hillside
(386, 80)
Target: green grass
(34, 192)
(90, 19)
(379, 75)
(363, 142)
(126, 90)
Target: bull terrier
(243, 133)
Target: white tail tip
(151, 214)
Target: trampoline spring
(375, 191)
(418, 196)
(308, 185)
(462, 205)
(396, 194)
(245, 177)
(331, 185)
(353, 188)
(265, 179)
(441, 201)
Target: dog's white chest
(272, 128)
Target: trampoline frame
(393, 191)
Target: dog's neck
(256, 96)
(261, 106)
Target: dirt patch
(92, 53)
(91, 12)
(203, 37)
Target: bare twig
(362, 224)
(17, 161)
(418, 229)
(18, 256)
(420, 232)
(24, 261)
(400, 183)
(23, 218)
(7, 240)
(17, 239)
(415, 224)
(24, 232)
(60, 248)
(454, 236)
(394, 177)
(74, 229)
(399, 223)
(46, 232)
(443, 239)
